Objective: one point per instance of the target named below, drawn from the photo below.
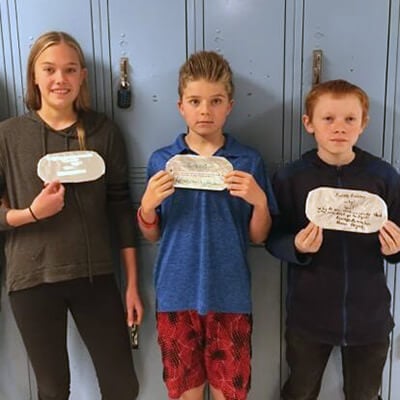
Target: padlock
(124, 95)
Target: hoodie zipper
(339, 171)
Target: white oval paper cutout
(71, 166)
(198, 172)
(346, 210)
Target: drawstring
(44, 139)
(80, 207)
(86, 234)
(44, 133)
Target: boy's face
(204, 106)
(337, 123)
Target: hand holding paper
(49, 201)
(389, 237)
(309, 239)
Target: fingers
(389, 238)
(55, 188)
(134, 315)
(61, 190)
(235, 179)
(138, 315)
(242, 184)
(129, 316)
(309, 239)
(52, 187)
(162, 181)
(159, 187)
(161, 177)
(392, 229)
(49, 201)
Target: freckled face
(58, 75)
(204, 107)
(337, 123)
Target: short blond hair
(207, 65)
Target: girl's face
(58, 75)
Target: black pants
(362, 369)
(41, 316)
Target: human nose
(59, 76)
(204, 108)
(339, 127)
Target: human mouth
(60, 91)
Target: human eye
(194, 102)
(48, 69)
(216, 101)
(71, 70)
(327, 118)
(351, 119)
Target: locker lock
(124, 95)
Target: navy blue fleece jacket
(339, 294)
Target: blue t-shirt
(202, 260)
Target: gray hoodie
(76, 242)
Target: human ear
(308, 126)
(365, 123)
(180, 108)
(84, 74)
(231, 103)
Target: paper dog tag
(198, 172)
(346, 210)
(71, 166)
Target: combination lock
(124, 96)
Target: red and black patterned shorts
(213, 348)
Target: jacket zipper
(345, 270)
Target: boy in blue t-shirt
(202, 277)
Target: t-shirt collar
(180, 146)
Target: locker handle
(317, 67)
(124, 94)
(123, 72)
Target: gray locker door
(354, 39)
(391, 383)
(153, 37)
(252, 39)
